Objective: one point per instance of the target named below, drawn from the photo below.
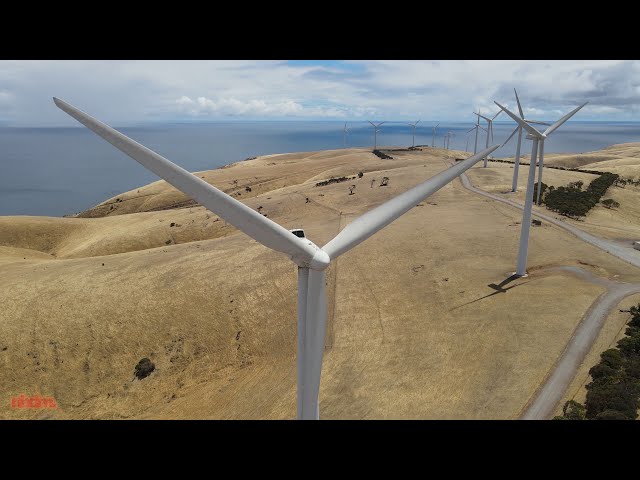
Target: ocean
(58, 171)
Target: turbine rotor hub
(320, 260)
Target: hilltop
(414, 331)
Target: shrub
(144, 368)
(610, 203)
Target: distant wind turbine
(476, 127)
(311, 260)
(344, 134)
(433, 140)
(449, 135)
(489, 129)
(413, 125)
(375, 134)
(538, 138)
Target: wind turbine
(433, 140)
(538, 138)
(489, 129)
(476, 127)
(375, 134)
(311, 260)
(413, 143)
(449, 135)
(514, 184)
(344, 134)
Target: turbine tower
(344, 134)
(514, 184)
(311, 260)
(413, 125)
(538, 139)
(375, 134)
(433, 139)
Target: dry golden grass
(414, 330)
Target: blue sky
(134, 92)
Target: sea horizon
(62, 170)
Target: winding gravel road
(549, 395)
(566, 367)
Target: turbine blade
(553, 127)
(494, 117)
(381, 123)
(471, 130)
(316, 322)
(418, 122)
(536, 122)
(372, 221)
(524, 124)
(510, 136)
(372, 124)
(519, 106)
(244, 218)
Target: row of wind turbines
(310, 259)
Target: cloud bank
(133, 92)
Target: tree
(573, 410)
(610, 203)
(611, 415)
(630, 345)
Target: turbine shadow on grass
(499, 288)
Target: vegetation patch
(333, 180)
(572, 200)
(614, 392)
(144, 368)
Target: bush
(144, 368)
(611, 415)
(610, 203)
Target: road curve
(549, 395)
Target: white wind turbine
(413, 125)
(538, 138)
(344, 134)
(375, 134)
(489, 129)
(476, 127)
(514, 183)
(448, 138)
(433, 139)
(310, 259)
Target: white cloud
(121, 92)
